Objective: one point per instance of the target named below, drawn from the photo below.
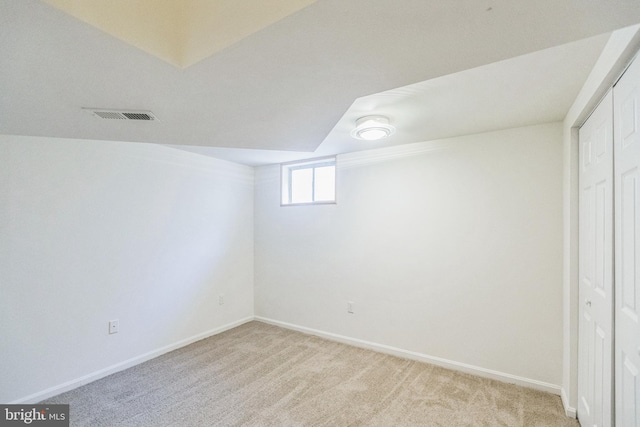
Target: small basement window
(308, 182)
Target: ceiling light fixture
(372, 128)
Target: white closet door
(595, 385)
(627, 246)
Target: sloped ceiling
(292, 85)
(526, 90)
(181, 32)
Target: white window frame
(287, 168)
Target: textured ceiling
(296, 84)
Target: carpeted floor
(262, 375)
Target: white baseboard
(568, 410)
(394, 351)
(70, 385)
(406, 354)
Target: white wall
(92, 231)
(451, 249)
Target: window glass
(325, 184)
(302, 185)
(308, 182)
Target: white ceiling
(298, 84)
(181, 32)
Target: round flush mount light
(372, 128)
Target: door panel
(602, 345)
(629, 400)
(595, 382)
(626, 278)
(601, 236)
(627, 241)
(586, 375)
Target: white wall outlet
(221, 299)
(114, 326)
(350, 307)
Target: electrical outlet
(114, 326)
(221, 299)
(350, 307)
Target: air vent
(122, 114)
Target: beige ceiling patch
(181, 32)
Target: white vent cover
(122, 114)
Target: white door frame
(618, 53)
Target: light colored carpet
(262, 375)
